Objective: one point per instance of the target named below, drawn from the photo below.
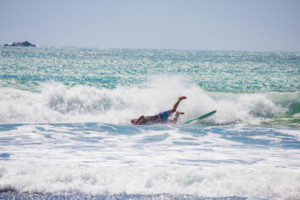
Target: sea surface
(65, 129)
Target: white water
(107, 159)
(59, 103)
(255, 181)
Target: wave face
(65, 127)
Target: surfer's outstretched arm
(139, 121)
(176, 117)
(177, 103)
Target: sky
(247, 25)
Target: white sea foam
(59, 103)
(100, 158)
(244, 181)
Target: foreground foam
(222, 181)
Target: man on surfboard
(161, 117)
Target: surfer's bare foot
(181, 98)
(177, 103)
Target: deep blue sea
(65, 129)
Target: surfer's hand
(179, 113)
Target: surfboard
(201, 117)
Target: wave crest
(60, 103)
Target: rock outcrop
(20, 44)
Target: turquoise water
(219, 71)
(65, 123)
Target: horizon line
(140, 48)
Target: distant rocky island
(20, 44)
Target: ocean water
(65, 129)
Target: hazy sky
(259, 25)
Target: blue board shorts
(159, 118)
(163, 116)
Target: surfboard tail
(201, 117)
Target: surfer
(161, 117)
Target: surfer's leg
(176, 116)
(177, 103)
